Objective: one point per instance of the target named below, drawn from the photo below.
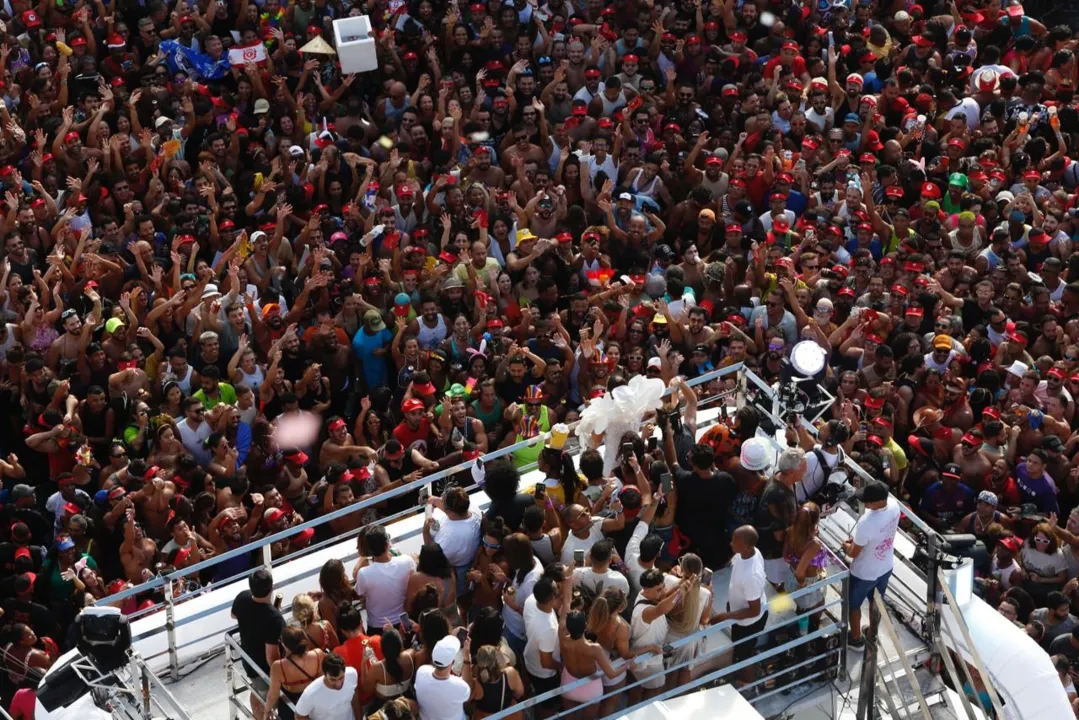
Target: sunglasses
(491, 545)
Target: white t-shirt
(875, 533)
(385, 586)
(440, 699)
(541, 629)
(595, 581)
(320, 702)
(970, 109)
(513, 620)
(815, 476)
(573, 542)
(748, 581)
(459, 539)
(641, 633)
(192, 439)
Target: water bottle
(1024, 126)
(1054, 121)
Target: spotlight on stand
(103, 635)
(800, 391)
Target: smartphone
(863, 428)
(627, 451)
(706, 577)
(404, 621)
(665, 482)
(578, 557)
(540, 490)
(462, 634)
(653, 444)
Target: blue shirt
(1041, 491)
(949, 505)
(375, 369)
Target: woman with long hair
(808, 559)
(391, 677)
(290, 676)
(495, 686)
(337, 590)
(562, 483)
(581, 657)
(606, 624)
(516, 585)
(320, 632)
(25, 663)
(433, 571)
(688, 616)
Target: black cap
(664, 251)
(873, 492)
(1052, 443)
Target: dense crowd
(241, 289)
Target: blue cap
(101, 498)
(402, 299)
(852, 117)
(64, 543)
(544, 60)
(1017, 216)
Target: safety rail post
(230, 678)
(933, 600)
(170, 634)
(844, 625)
(994, 697)
(889, 628)
(867, 682)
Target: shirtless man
(74, 340)
(468, 428)
(157, 505)
(137, 552)
(974, 466)
(957, 412)
(340, 447)
(292, 483)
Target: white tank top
(253, 380)
(8, 341)
(609, 107)
(431, 338)
(184, 382)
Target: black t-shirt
(36, 615)
(775, 512)
(973, 314)
(40, 528)
(700, 513)
(260, 624)
(511, 512)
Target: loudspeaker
(61, 687)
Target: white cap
(161, 121)
(445, 651)
(210, 291)
(825, 305)
(655, 363)
(902, 16)
(756, 454)
(1019, 369)
(625, 196)
(295, 151)
(1005, 196)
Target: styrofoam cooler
(355, 46)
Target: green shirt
(225, 394)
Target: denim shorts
(860, 589)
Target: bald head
(744, 541)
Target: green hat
(958, 179)
(456, 390)
(374, 319)
(112, 324)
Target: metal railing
(837, 628)
(166, 582)
(233, 654)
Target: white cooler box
(355, 46)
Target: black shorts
(542, 685)
(747, 649)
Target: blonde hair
(606, 605)
(686, 617)
(488, 664)
(304, 609)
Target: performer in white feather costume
(616, 413)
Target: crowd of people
(241, 289)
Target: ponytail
(599, 615)
(568, 477)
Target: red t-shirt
(352, 652)
(408, 437)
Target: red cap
(846, 292)
(297, 456)
(893, 191)
(922, 41)
(900, 290)
(874, 403)
(791, 45)
(930, 190)
(336, 425)
(116, 42)
(411, 404)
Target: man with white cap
(441, 694)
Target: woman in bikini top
(291, 675)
